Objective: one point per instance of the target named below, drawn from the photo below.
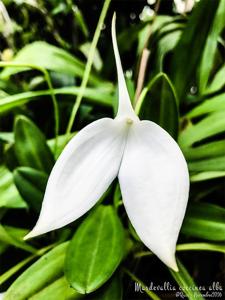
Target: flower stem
(88, 66)
(145, 57)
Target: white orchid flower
(150, 166)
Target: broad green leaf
(214, 104)
(158, 103)
(187, 53)
(210, 46)
(212, 164)
(57, 290)
(93, 96)
(10, 197)
(111, 290)
(218, 81)
(100, 238)
(8, 137)
(185, 281)
(13, 236)
(205, 221)
(39, 275)
(207, 127)
(31, 148)
(31, 185)
(49, 57)
(10, 158)
(209, 150)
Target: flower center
(129, 121)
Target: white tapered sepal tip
(154, 182)
(82, 173)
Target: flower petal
(83, 172)
(154, 183)
(124, 107)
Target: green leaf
(40, 274)
(217, 247)
(13, 236)
(57, 290)
(201, 247)
(209, 150)
(79, 19)
(10, 197)
(15, 268)
(44, 55)
(165, 44)
(211, 45)
(185, 60)
(155, 26)
(213, 164)
(11, 160)
(207, 176)
(93, 96)
(31, 148)
(31, 185)
(158, 103)
(16, 232)
(97, 62)
(218, 81)
(117, 197)
(214, 104)
(205, 221)
(7, 137)
(207, 127)
(3, 248)
(99, 238)
(185, 281)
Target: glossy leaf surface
(47, 56)
(210, 48)
(194, 36)
(31, 185)
(10, 197)
(44, 271)
(30, 146)
(205, 221)
(100, 238)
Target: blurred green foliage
(44, 46)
